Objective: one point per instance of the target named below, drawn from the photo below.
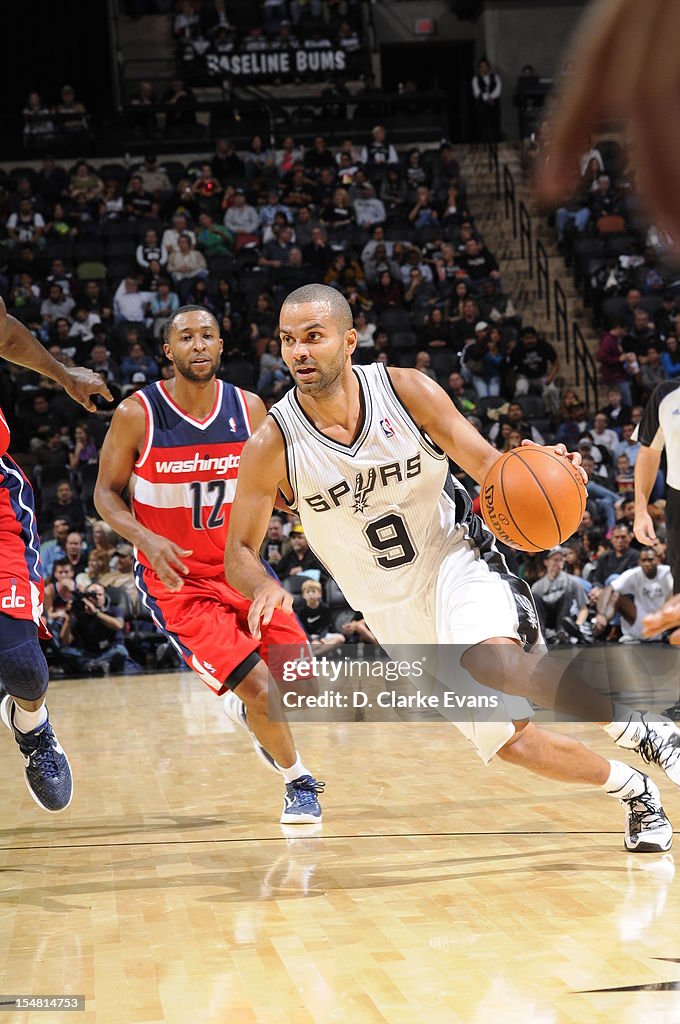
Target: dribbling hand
(267, 597)
(561, 450)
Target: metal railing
(543, 276)
(561, 319)
(509, 200)
(526, 247)
(571, 336)
(584, 366)
(492, 155)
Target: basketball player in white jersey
(361, 453)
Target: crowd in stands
(93, 259)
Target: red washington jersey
(184, 480)
(21, 584)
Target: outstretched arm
(18, 345)
(261, 475)
(435, 413)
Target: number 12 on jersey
(215, 519)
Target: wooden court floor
(438, 891)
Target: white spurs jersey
(380, 513)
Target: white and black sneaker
(648, 830)
(656, 740)
(235, 710)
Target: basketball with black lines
(533, 499)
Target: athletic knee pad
(23, 671)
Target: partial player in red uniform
(23, 669)
(176, 445)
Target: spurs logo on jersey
(386, 501)
(364, 484)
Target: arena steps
(497, 230)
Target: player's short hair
(322, 293)
(170, 322)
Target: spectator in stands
(213, 239)
(612, 358)
(338, 213)
(72, 113)
(26, 225)
(637, 592)
(38, 125)
(155, 180)
(420, 295)
(101, 362)
(518, 421)
(558, 597)
(616, 560)
(54, 453)
(66, 505)
(670, 359)
(142, 119)
(242, 220)
(423, 214)
(276, 544)
(368, 210)
(121, 575)
(226, 164)
(52, 550)
(92, 634)
(479, 264)
(85, 451)
(617, 411)
(486, 89)
(640, 334)
(300, 558)
(58, 594)
(129, 303)
(536, 365)
(56, 305)
(652, 370)
(664, 318)
(318, 254)
(379, 153)
(151, 251)
(464, 398)
(138, 361)
(186, 265)
(259, 160)
(317, 620)
(497, 308)
(137, 200)
(180, 116)
(604, 201)
(85, 182)
(171, 236)
(97, 566)
(602, 436)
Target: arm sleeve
(621, 583)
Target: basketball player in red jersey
(23, 669)
(177, 445)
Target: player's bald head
(333, 303)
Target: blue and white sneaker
(235, 710)
(300, 804)
(47, 771)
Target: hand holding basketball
(533, 497)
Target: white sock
(296, 771)
(623, 726)
(624, 782)
(27, 721)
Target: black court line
(279, 839)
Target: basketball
(533, 499)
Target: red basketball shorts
(207, 622)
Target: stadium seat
(91, 270)
(395, 319)
(493, 402)
(334, 596)
(533, 406)
(88, 250)
(116, 171)
(403, 341)
(174, 170)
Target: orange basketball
(533, 499)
